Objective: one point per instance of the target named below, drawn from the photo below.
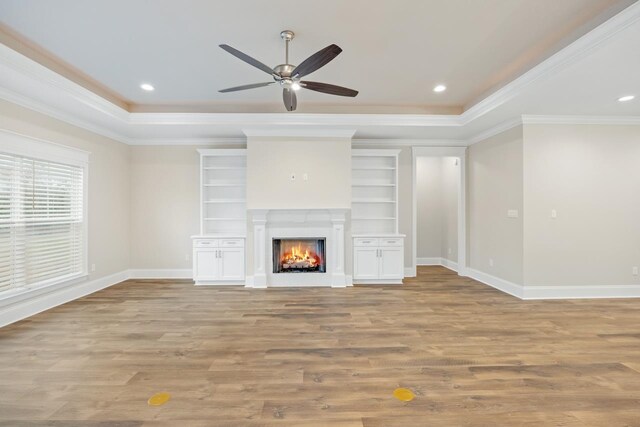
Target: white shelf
(222, 191)
(374, 188)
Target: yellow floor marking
(403, 394)
(159, 399)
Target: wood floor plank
(231, 356)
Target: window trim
(22, 145)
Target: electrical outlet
(490, 262)
(305, 176)
(634, 271)
(554, 214)
(93, 267)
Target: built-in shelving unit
(223, 192)
(374, 192)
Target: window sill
(17, 295)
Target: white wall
(271, 161)
(430, 207)
(165, 206)
(450, 192)
(437, 190)
(590, 174)
(494, 186)
(108, 183)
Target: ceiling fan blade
(246, 58)
(317, 60)
(290, 99)
(245, 87)
(330, 89)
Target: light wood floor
(323, 357)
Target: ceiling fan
(288, 76)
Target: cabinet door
(392, 263)
(205, 264)
(365, 263)
(232, 264)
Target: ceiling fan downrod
(287, 36)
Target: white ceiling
(394, 51)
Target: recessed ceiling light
(147, 87)
(626, 98)
(440, 88)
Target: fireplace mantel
(282, 223)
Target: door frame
(459, 153)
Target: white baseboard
(410, 272)
(451, 265)
(428, 261)
(496, 282)
(577, 292)
(11, 313)
(447, 263)
(542, 292)
(185, 273)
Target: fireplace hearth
(299, 255)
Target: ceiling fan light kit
(288, 76)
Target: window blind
(41, 221)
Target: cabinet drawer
(209, 243)
(232, 243)
(365, 241)
(391, 241)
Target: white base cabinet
(378, 259)
(218, 261)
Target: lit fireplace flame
(296, 258)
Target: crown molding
(306, 132)
(581, 120)
(24, 66)
(31, 85)
(561, 59)
(495, 130)
(368, 142)
(248, 120)
(58, 114)
(207, 142)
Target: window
(42, 221)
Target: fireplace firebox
(299, 255)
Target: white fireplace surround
(269, 224)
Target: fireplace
(299, 255)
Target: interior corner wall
(430, 208)
(108, 177)
(590, 175)
(495, 186)
(450, 192)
